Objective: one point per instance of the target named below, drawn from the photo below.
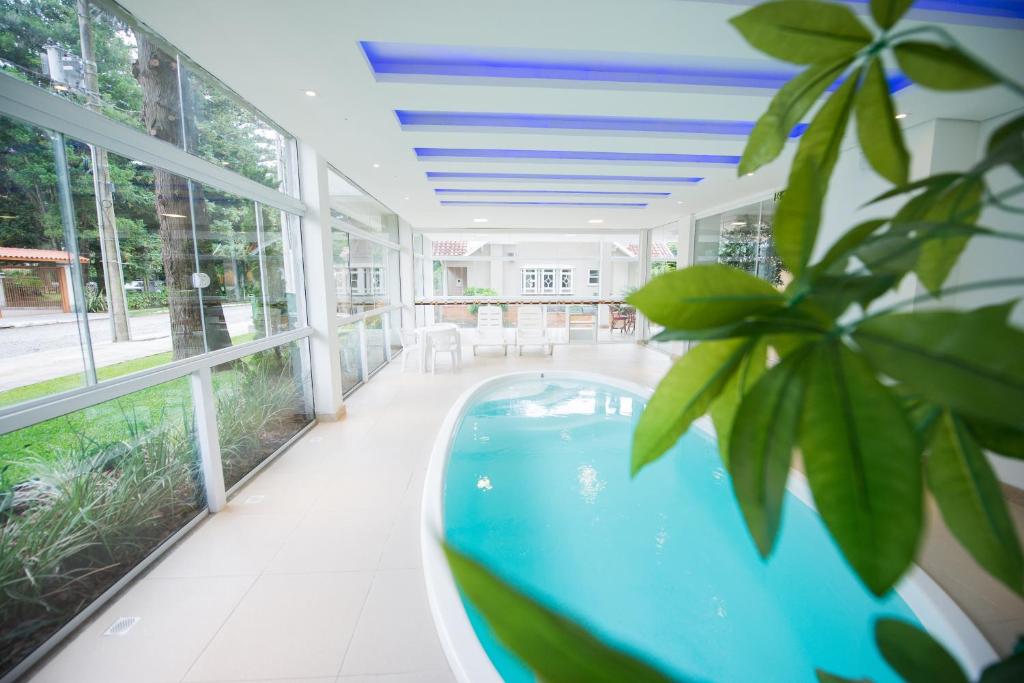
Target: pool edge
(466, 656)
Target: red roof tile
(36, 255)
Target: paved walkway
(35, 353)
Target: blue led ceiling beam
(1006, 9)
(453, 153)
(589, 205)
(411, 120)
(414, 61)
(437, 176)
(604, 193)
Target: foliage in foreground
(881, 403)
(87, 513)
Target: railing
(367, 341)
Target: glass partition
(742, 238)
(94, 60)
(376, 344)
(84, 498)
(262, 402)
(351, 357)
(599, 266)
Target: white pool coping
(467, 657)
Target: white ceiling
(270, 52)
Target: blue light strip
(458, 175)
(571, 155)
(412, 60)
(453, 191)
(1010, 9)
(591, 205)
(411, 119)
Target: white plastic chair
(410, 346)
(490, 330)
(530, 330)
(445, 341)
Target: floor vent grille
(121, 626)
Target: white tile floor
(312, 572)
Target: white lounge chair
(490, 330)
(530, 330)
(410, 345)
(445, 341)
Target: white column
(407, 270)
(643, 330)
(321, 289)
(208, 438)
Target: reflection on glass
(351, 360)
(262, 402)
(376, 353)
(353, 207)
(36, 279)
(86, 496)
(741, 238)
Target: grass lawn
(107, 422)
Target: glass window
(376, 344)
(351, 206)
(529, 281)
(351, 357)
(227, 132)
(594, 277)
(50, 44)
(565, 281)
(263, 400)
(742, 238)
(37, 273)
(86, 496)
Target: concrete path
(30, 354)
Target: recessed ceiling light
(376, 165)
(595, 221)
(902, 115)
(311, 93)
(748, 174)
(405, 198)
(479, 220)
(678, 202)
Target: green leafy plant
(881, 403)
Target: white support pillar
(321, 289)
(208, 438)
(407, 275)
(643, 328)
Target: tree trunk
(106, 220)
(197, 319)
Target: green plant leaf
(934, 182)
(1006, 145)
(803, 31)
(1010, 670)
(834, 259)
(861, 456)
(836, 293)
(971, 501)
(723, 409)
(887, 12)
(941, 68)
(764, 433)
(879, 132)
(558, 649)
(964, 360)
(783, 322)
(915, 655)
(789, 105)
(705, 296)
(683, 395)
(939, 256)
(1007, 440)
(798, 214)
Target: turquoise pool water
(538, 487)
